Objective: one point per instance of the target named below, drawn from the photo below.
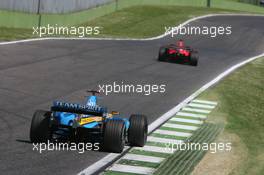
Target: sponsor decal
(76, 106)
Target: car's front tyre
(194, 59)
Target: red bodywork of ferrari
(178, 51)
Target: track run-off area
(33, 74)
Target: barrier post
(39, 14)
(116, 7)
(208, 3)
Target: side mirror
(115, 113)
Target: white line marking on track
(205, 102)
(143, 158)
(178, 126)
(201, 106)
(132, 169)
(163, 140)
(155, 149)
(172, 133)
(186, 120)
(196, 110)
(185, 114)
(99, 164)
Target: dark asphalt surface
(34, 74)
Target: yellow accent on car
(90, 119)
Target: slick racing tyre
(114, 136)
(40, 131)
(162, 54)
(194, 60)
(138, 130)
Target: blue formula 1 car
(83, 122)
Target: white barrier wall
(50, 6)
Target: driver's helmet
(180, 43)
(91, 101)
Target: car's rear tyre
(138, 130)
(40, 131)
(194, 59)
(162, 54)
(114, 136)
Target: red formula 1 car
(178, 53)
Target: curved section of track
(35, 73)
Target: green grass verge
(148, 153)
(241, 103)
(163, 145)
(132, 22)
(138, 163)
(17, 19)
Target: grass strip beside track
(148, 153)
(156, 144)
(138, 163)
(241, 106)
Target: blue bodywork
(90, 111)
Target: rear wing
(173, 46)
(77, 108)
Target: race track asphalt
(33, 74)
